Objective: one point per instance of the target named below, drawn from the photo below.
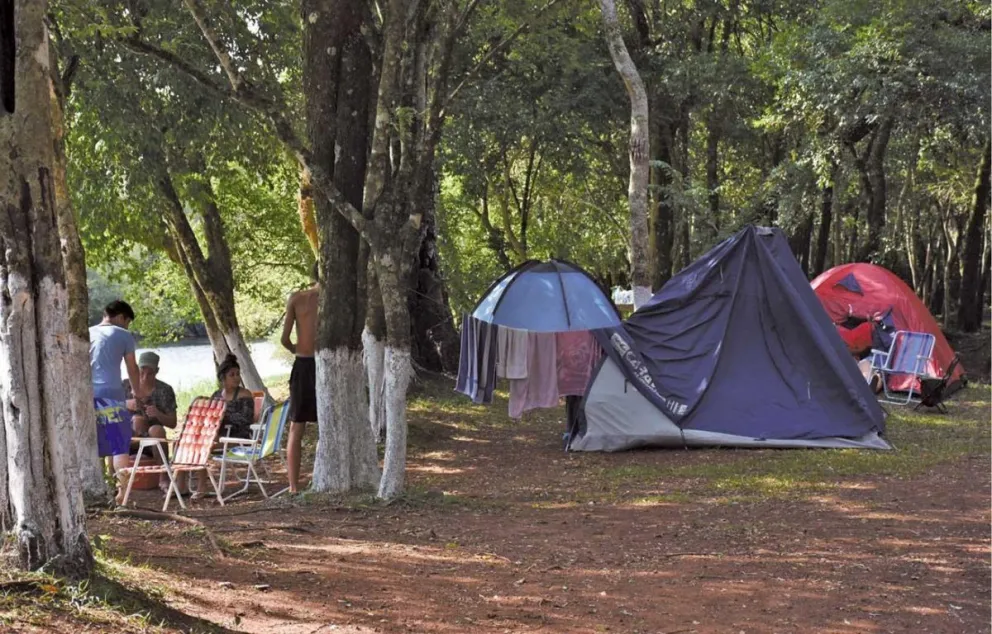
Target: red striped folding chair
(192, 451)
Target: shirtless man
(301, 311)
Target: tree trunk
(685, 227)
(935, 255)
(495, 239)
(852, 238)
(336, 71)
(952, 270)
(213, 276)
(986, 280)
(394, 238)
(217, 342)
(800, 242)
(712, 224)
(873, 178)
(42, 501)
(837, 241)
(221, 291)
(640, 152)
(95, 489)
(374, 350)
(435, 339)
(398, 369)
(662, 213)
(972, 293)
(823, 235)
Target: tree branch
(273, 111)
(215, 44)
(68, 75)
(482, 62)
(140, 46)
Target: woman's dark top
(240, 415)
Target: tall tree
(94, 486)
(337, 85)
(972, 306)
(640, 153)
(41, 500)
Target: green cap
(148, 360)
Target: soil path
(528, 539)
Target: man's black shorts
(303, 391)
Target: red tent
(863, 291)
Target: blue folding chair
(908, 355)
(266, 441)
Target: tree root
(146, 514)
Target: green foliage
(132, 121)
(155, 289)
(533, 160)
(528, 137)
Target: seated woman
(240, 413)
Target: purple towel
(540, 388)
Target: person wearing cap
(158, 409)
(153, 413)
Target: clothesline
(540, 367)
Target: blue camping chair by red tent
(909, 355)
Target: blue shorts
(113, 427)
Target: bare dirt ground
(504, 532)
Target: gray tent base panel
(618, 417)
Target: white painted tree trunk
(57, 367)
(374, 350)
(249, 373)
(640, 153)
(641, 296)
(332, 468)
(365, 473)
(346, 457)
(398, 372)
(41, 459)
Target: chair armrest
(256, 426)
(236, 441)
(149, 441)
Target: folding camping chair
(192, 453)
(908, 355)
(933, 391)
(265, 441)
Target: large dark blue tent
(735, 350)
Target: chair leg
(130, 480)
(220, 498)
(258, 480)
(223, 476)
(245, 483)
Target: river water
(188, 363)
